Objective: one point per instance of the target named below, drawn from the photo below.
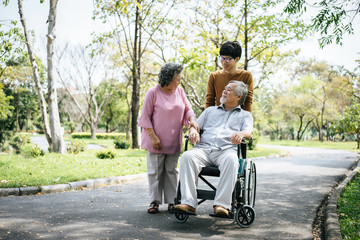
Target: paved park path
(289, 191)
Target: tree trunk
(17, 112)
(93, 130)
(108, 120)
(128, 122)
(34, 67)
(128, 117)
(136, 78)
(298, 137)
(91, 122)
(321, 135)
(56, 132)
(27, 119)
(246, 36)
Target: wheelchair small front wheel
(245, 216)
(181, 217)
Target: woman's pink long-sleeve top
(166, 113)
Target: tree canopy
(333, 18)
(104, 83)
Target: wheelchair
(243, 197)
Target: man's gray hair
(241, 89)
(168, 72)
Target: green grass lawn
(349, 210)
(263, 151)
(24, 170)
(351, 145)
(108, 143)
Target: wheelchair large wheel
(181, 217)
(252, 186)
(245, 216)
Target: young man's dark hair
(231, 48)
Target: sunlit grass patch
(349, 145)
(263, 151)
(349, 210)
(24, 170)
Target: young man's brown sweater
(219, 79)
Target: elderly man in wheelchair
(223, 127)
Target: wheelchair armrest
(242, 147)
(186, 141)
(241, 150)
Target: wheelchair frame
(243, 197)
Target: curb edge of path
(332, 225)
(91, 183)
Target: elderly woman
(165, 111)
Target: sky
(74, 24)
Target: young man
(223, 127)
(230, 54)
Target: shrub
(36, 151)
(76, 146)
(5, 137)
(80, 135)
(70, 125)
(19, 140)
(105, 154)
(121, 143)
(98, 135)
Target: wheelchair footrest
(230, 216)
(205, 194)
(183, 212)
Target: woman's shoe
(170, 208)
(153, 208)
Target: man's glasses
(226, 59)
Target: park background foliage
(102, 85)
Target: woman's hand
(194, 124)
(155, 141)
(154, 138)
(194, 136)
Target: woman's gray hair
(168, 72)
(241, 89)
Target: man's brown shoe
(185, 208)
(221, 211)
